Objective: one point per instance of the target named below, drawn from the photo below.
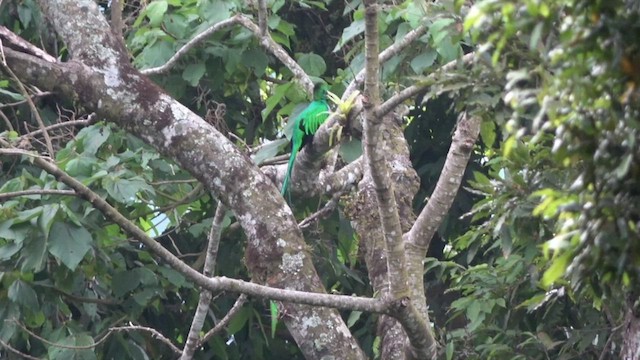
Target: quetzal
(305, 125)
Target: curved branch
(190, 45)
(265, 41)
(437, 207)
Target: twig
(413, 90)
(24, 45)
(6, 121)
(90, 121)
(225, 320)
(156, 334)
(205, 296)
(6, 196)
(191, 44)
(385, 55)
(326, 210)
(44, 93)
(50, 343)
(15, 351)
(34, 109)
(265, 40)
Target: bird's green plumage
(305, 125)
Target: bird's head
(320, 91)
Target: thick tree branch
(430, 218)
(376, 163)
(422, 344)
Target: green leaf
(269, 150)
(354, 29)
(274, 99)
(93, 137)
(193, 73)
(423, 61)
(273, 309)
(7, 251)
(558, 266)
(351, 150)
(22, 293)
(125, 190)
(69, 243)
(34, 254)
(12, 95)
(125, 282)
(155, 11)
(438, 30)
(354, 316)
(239, 320)
(46, 218)
(313, 64)
(488, 133)
(74, 347)
(173, 276)
(255, 59)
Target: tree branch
(205, 296)
(376, 163)
(237, 306)
(430, 218)
(422, 344)
(414, 90)
(32, 192)
(156, 334)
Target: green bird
(305, 125)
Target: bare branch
(413, 90)
(322, 213)
(265, 40)
(6, 196)
(190, 45)
(40, 94)
(237, 306)
(384, 56)
(156, 334)
(9, 347)
(422, 344)
(431, 216)
(205, 296)
(86, 122)
(268, 43)
(32, 106)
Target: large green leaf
(69, 243)
(21, 293)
